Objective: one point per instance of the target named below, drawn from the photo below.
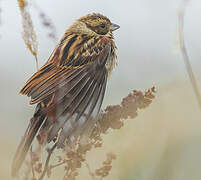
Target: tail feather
(26, 141)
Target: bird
(69, 88)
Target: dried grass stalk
(185, 55)
(28, 33)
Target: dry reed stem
(50, 151)
(185, 55)
(28, 34)
(46, 22)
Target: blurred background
(164, 141)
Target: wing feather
(67, 77)
(68, 105)
(41, 75)
(87, 127)
(84, 109)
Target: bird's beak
(114, 27)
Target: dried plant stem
(92, 175)
(37, 66)
(32, 164)
(56, 165)
(185, 54)
(28, 34)
(50, 151)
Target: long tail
(33, 127)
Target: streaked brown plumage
(70, 87)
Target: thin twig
(32, 163)
(36, 58)
(59, 164)
(50, 151)
(90, 172)
(46, 21)
(184, 52)
(28, 33)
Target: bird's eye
(102, 26)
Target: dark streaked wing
(74, 102)
(75, 93)
(72, 119)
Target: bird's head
(93, 25)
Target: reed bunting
(70, 87)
